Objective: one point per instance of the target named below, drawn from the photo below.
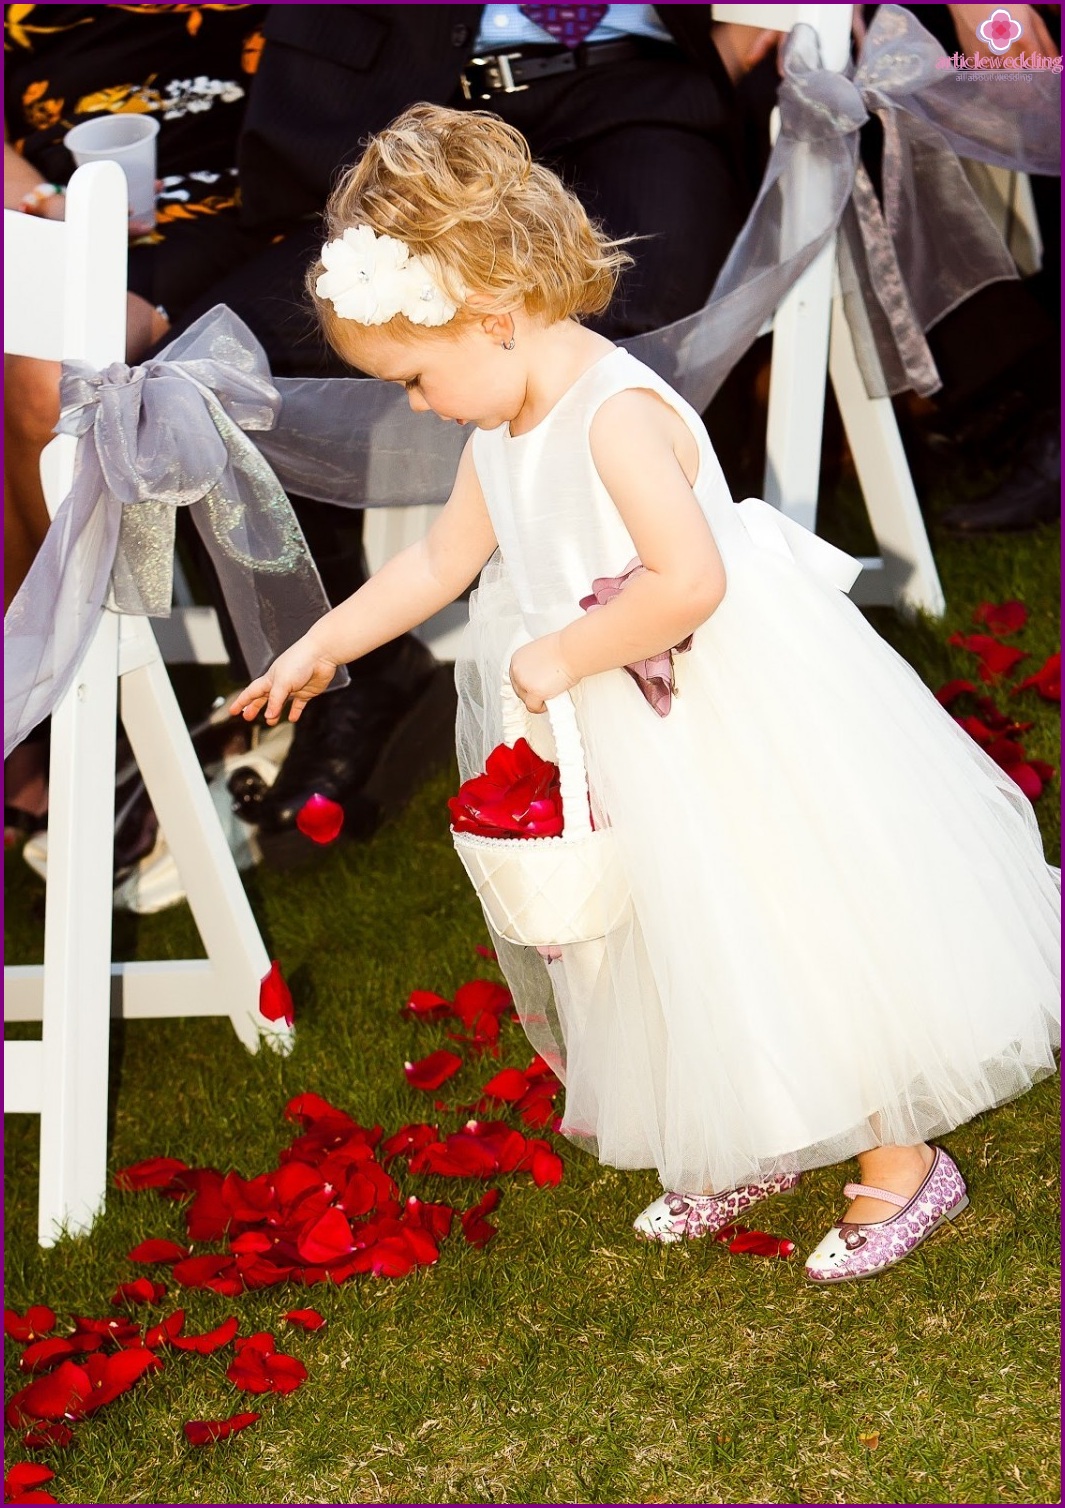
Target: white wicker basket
(544, 891)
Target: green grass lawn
(567, 1362)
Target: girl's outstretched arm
(647, 459)
(409, 588)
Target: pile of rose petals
(518, 796)
(330, 1209)
(979, 714)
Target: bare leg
(900, 1170)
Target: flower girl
(843, 936)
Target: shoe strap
(852, 1190)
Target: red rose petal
(426, 1005)
(152, 1173)
(196, 1272)
(489, 953)
(480, 995)
(207, 1431)
(57, 1395)
(1001, 617)
(210, 1341)
(476, 1229)
(995, 659)
(163, 1333)
(286, 1373)
(38, 1321)
(952, 690)
(320, 819)
(1046, 680)
(431, 1072)
(409, 1139)
(48, 1437)
(26, 1474)
(546, 1168)
(307, 1109)
(42, 1355)
(275, 997)
(306, 1319)
(111, 1376)
(508, 1085)
(759, 1243)
(326, 1239)
(158, 1250)
(139, 1291)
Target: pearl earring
(508, 345)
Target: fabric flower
(371, 278)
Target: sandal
(860, 1251)
(679, 1217)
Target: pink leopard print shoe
(680, 1217)
(860, 1251)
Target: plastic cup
(128, 140)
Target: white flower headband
(370, 278)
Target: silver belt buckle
(500, 75)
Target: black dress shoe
(1031, 496)
(367, 747)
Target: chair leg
(179, 793)
(909, 577)
(77, 945)
(797, 393)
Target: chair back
(65, 290)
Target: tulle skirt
(843, 933)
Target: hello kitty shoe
(679, 1217)
(861, 1251)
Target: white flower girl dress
(843, 930)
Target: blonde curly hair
(461, 189)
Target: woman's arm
(646, 457)
(411, 587)
(20, 178)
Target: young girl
(844, 937)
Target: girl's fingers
(256, 691)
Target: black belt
(511, 72)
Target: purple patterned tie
(569, 24)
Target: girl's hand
(538, 671)
(301, 673)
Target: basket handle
(573, 778)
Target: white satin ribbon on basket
(770, 529)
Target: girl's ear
(498, 327)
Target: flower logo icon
(999, 31)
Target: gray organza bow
(151, 439)
(901, 269)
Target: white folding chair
(65, 298)
(811, 337)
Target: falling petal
(275, 997)
(320, 819)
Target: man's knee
(31, 399)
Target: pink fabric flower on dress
(654, 676)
